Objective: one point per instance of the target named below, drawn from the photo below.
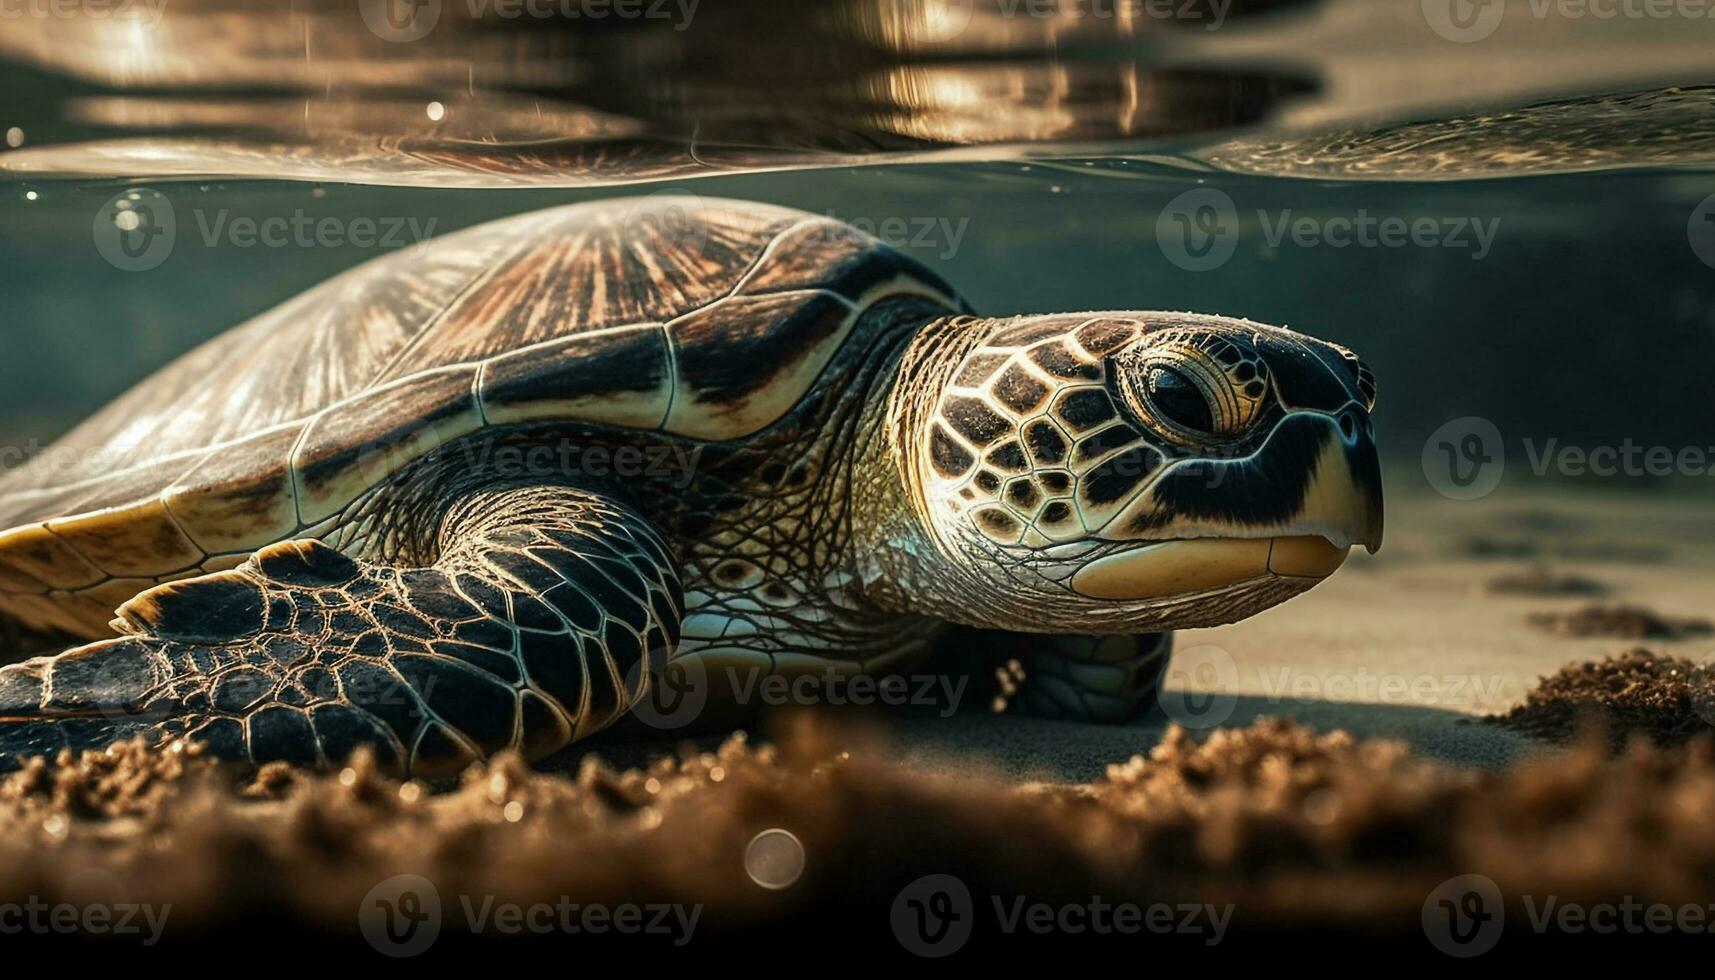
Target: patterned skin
(834, 468)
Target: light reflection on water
(1039, 163)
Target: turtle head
(1122, 472)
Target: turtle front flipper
(1106, 679)
(530, 630)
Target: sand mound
(1621, 622)
(1668, 699)
(1291, 827)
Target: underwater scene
(899, 479)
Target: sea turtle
(484, 494)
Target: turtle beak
(1293, 509)
(1315, 475)
(1343, 502)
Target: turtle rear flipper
(530, 630)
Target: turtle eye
(1178, 400)
(1196, 397)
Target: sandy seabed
(1593, 784)
(1286, 826)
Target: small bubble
(348, 777)
(652, 785)
(56, 826)
(717, 774)
(14, 137)
(514, 812)
(127, 221)
(436, 111)
(410, 792)
(31, 195)
(774, 859)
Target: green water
(1569, 307)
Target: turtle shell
(699, 317)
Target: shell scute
(620, 377)
(699, 317)
(744, 361)
(230, 501)
(356, 445)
